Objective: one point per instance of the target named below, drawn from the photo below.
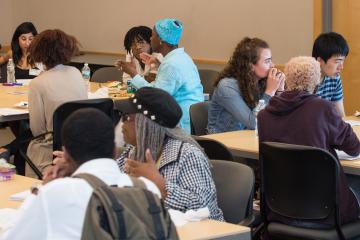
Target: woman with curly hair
(56, 85)
(248, 77)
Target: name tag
(34, 72)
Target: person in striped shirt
(330, 50)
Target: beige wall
(6, 15)
(212, 27)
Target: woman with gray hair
(164, 153)
(298, 116)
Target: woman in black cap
(164, 153)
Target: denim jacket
(228, 110)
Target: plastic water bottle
(11, 71)
(130, 88)
(257, 109)
(85, 71)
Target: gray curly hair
(302, 74)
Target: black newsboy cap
(154, 103)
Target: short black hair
(87, 134)
(23, 28)
(330, 44)
(137, 33)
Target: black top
(23, 74)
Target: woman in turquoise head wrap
(177, 73)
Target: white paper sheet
(12, 111)
(344, 156)
(20, 196)
(180, 218)
(353, 122)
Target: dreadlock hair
(240, 67)
(137, 33)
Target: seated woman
(166, 154)
(248, 77)
(136, 43)
(298, 116)
(20, 43)
(161, 152)
(56, 85)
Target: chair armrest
(252, 221)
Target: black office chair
(301, 182)
(3, 73)
(208, 78)
(235, 189)
(60, 115)
(106, 74)
(214, 149)
(199, 118)
(106, 105)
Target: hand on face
(275, 81)
(61, 168)
(146, 169)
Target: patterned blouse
(189, 183)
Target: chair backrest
(3, 73)
(298, 182)
(63, 111)
(214, 149)
(235, 189)
(208, 77)
(199, 118)
(106, 74)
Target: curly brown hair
(246, 53)
(53, 47)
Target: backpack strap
(118, 209)
(153, 209)
(94, 181)
(103, 188)
(155, 212)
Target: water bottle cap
(86, 64)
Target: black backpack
(125, 213)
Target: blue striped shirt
(331, 89)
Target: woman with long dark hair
(248, 77)
(20, 42)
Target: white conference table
(11, 95)
(245, 144)
(208, 229)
